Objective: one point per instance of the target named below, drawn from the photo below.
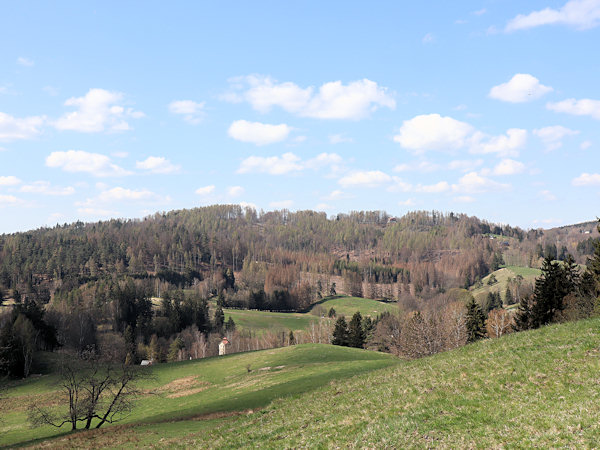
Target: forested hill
(427, 249)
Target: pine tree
(219, 320)
(230, 324)
(475, 321)
(340, 332)
(551, 287)
(508, 297)
(174, 348)
(523, 315)
(356, 333)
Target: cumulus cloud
(373, 178)
(503, 145)
(583, 107)
(9, 180)
(288, 162)
(417, 166)
(465, 165)
(157, 164)
(12, 128)
(579, 14)
(258, 133)
(552, 136)
(587, 179)
(119, 194)
(206, 190)
(474, 183)
(521, 88)
(585, 145)
(547, 195)
(7, 200)
(508, 167)
(332, 100)
(235, 191)
(192, 112)
(97, 111)
(436, 188)
(95, 164)
(429, 38)
(45, 188)
(434, 132)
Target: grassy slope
(194, 388)
(263, 320)
(533, 389)
(502, 275)
(349, 305)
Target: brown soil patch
(187, 392)
(22, 402)
(183, 387)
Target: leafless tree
(94, 392)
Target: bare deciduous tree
(499, 323)
(94, 393)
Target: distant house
(146, 362)
(223, 346)
(392, 220)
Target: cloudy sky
(122, 109)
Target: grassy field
(532, 389)
(347, 306)
(264, 320)
(502, 275)
(213, 386)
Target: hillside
(531, 389)
(221, 385)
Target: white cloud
(12, 128)
(192, 112)
(587, 179)
(45, 188)
(97, 111)
(206, 190)
(433, 132)
(9, 200)
(235, 191)
(428, 38)
(119, 194)
(258, 133)
(9, 180)
(583, 107)
(407, 202)
(273, 165)
(508, 167)
(552, 136)
(339, 139)
(369, 179)
(336, 195)
(323, 207)
(288, 162)
(473, 183)
(436, 188)
(585, 145)
(249, 205)
(282, 204)
(547, 195)
(333, 100)
(579, 14)
(398, 185)
(157, 164)
(521, 88)
(27, 62)
(479, 12)
(95, 164)
(503, 145)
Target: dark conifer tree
(356, 333)
(550, 289)
(218, 320)
(523, 316)
(340, 332)
(475, 321)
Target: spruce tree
(340, 332)
(475, 321)
(551, 287)
(523, 315)
(219, 320)
(508, 297)
(356, 333)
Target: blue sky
(491, 108)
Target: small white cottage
(223, 346)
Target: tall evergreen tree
(340, 332)
(551, 287)
(356, 333)
(219, 320)
(475, 321)
(523, 316)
